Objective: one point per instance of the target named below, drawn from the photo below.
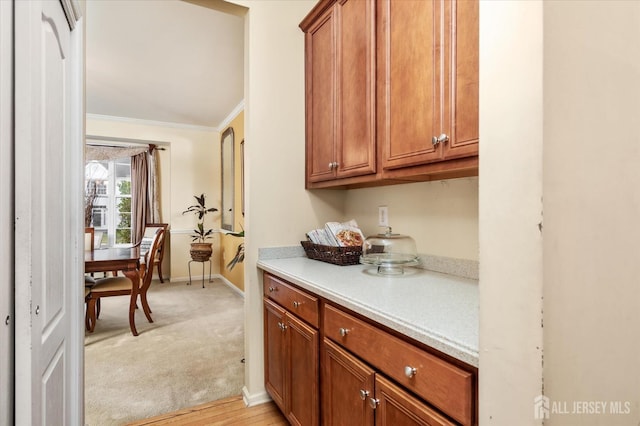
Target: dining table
(124, 259)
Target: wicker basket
(337, 255)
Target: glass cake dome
(389, 252)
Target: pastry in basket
(348, 237)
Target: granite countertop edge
(423, 333)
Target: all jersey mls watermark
(543, 407)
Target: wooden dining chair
(149, 231)
(89, 238)
(122, 286)
(89, 243)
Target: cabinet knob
(363, 394)
(296, 304)
(343, 331)
(373, 402)
(410, 371)
(439, 139)
(272, 289)
(330, 166)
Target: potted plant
(239, 256)
(200, 250)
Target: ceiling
(163, 60)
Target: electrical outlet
(383, 216)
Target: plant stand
(203, 262)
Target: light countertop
(436, 309)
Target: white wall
(592, 208)
(510, 211)
(6, 213)
(587, 107)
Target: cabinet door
(409, 81)
(302, 382)
(356, 143)
(461, 58)
(347, 385)
(274, 352)
(395, 407)
(320, 70)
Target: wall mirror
(227, 147)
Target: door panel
(48, 272)
(6, 213)
(303, 381)
(462, 100)
(356, 142)
(409, 88)
(321, 103)
(274, 352)
(397, 408)
(344, 377)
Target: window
(108, 198)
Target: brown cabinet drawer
(298, 302)
(437, 381)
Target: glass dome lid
(390, 252)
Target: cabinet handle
(282, 326)
(343, 331)
(363, 394)
(296, 304)
(439, 139)
(373, 402)
(272, 289)
(410, 371)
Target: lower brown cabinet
(354, 394)
(368, 376)
(291, 364)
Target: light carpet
(191, 354)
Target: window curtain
(139, 188)
(145, 206)
(153, 211)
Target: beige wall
(229, 244)
(589, 280)
(278, 209)
(592, 207)
(441, 216)
(186, 171)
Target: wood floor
(230, 411)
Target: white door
(6, 212)
(48, 211)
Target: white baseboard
(197, 280)
(230, 284)
(255, 399)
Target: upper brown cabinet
(340, 90)
(392, 91)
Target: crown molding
(151, 122)
(233, 114)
